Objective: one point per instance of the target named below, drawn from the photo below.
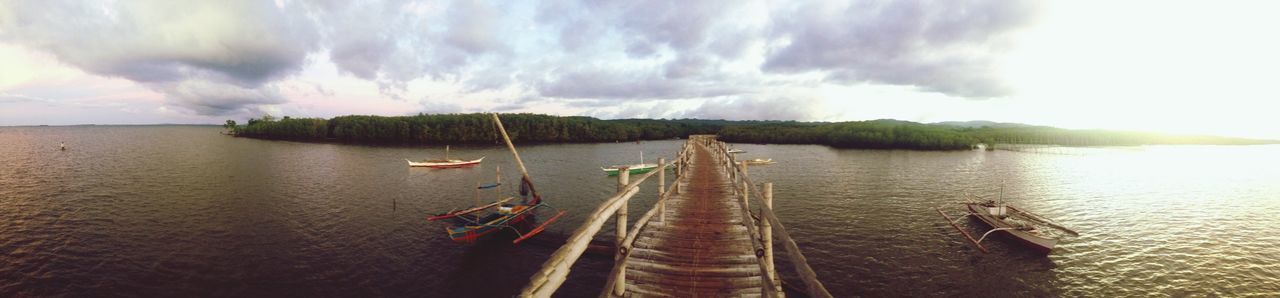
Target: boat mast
(523, 172)
(1000, 199)
(446, 152)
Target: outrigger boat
(471, 224)
(760, 161)
(639, 168)
(736, 151)
(446, 162)
(1034, 231)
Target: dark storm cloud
(944, 46)
(393, 42)
(951, 47)
(188, 50)
(209, 98)
(694, 33)
(163, 41)
(224, 57)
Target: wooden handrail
(629, 242)
(556, 269)
(801, 264)
(756, 245)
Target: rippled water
(179, 211)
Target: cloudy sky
(1202, 67)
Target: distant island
(428, 129)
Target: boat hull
(473, 233)
(634, 169)
(446, 165)
(1039, 244)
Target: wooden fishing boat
(639, 168)
(511, 214)
(446, 162)
(736, 151)
(1033, 231)
(760, 161)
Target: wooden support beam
(662, 188)
(556, 269)
(624, 174)
(746, 188)
(756, 245)
(766, 235)
(801, 264)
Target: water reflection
(180, 211)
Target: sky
(1187, 67)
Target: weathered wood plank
(702, 247)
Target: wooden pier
(705, 239)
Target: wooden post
(746, 188)
(766, 235)
(662, 188)
(620, 287)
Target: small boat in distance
(639, 168)
(760, 161)
(446, 162)
(1034, 231)
(736, 151)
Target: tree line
(470, 128)
(874, 134)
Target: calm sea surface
(184, 211)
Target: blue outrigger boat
(474, 223)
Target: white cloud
(798, 60)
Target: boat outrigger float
(1034, 231)
(471, 224)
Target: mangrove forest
(434, 129)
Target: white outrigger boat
(446, 162)
(760, 161)
(1036, 232)
(631, 169)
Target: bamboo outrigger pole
(962, 232)
(523, 171)
(1044, 220)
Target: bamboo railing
(764, 247)
(556, 269)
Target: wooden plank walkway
(696, 241)
(702, 248)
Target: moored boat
(760, 161)
(999, 218)
(1033, 231)
(639, 168)
(513, 214)
(446, 162)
